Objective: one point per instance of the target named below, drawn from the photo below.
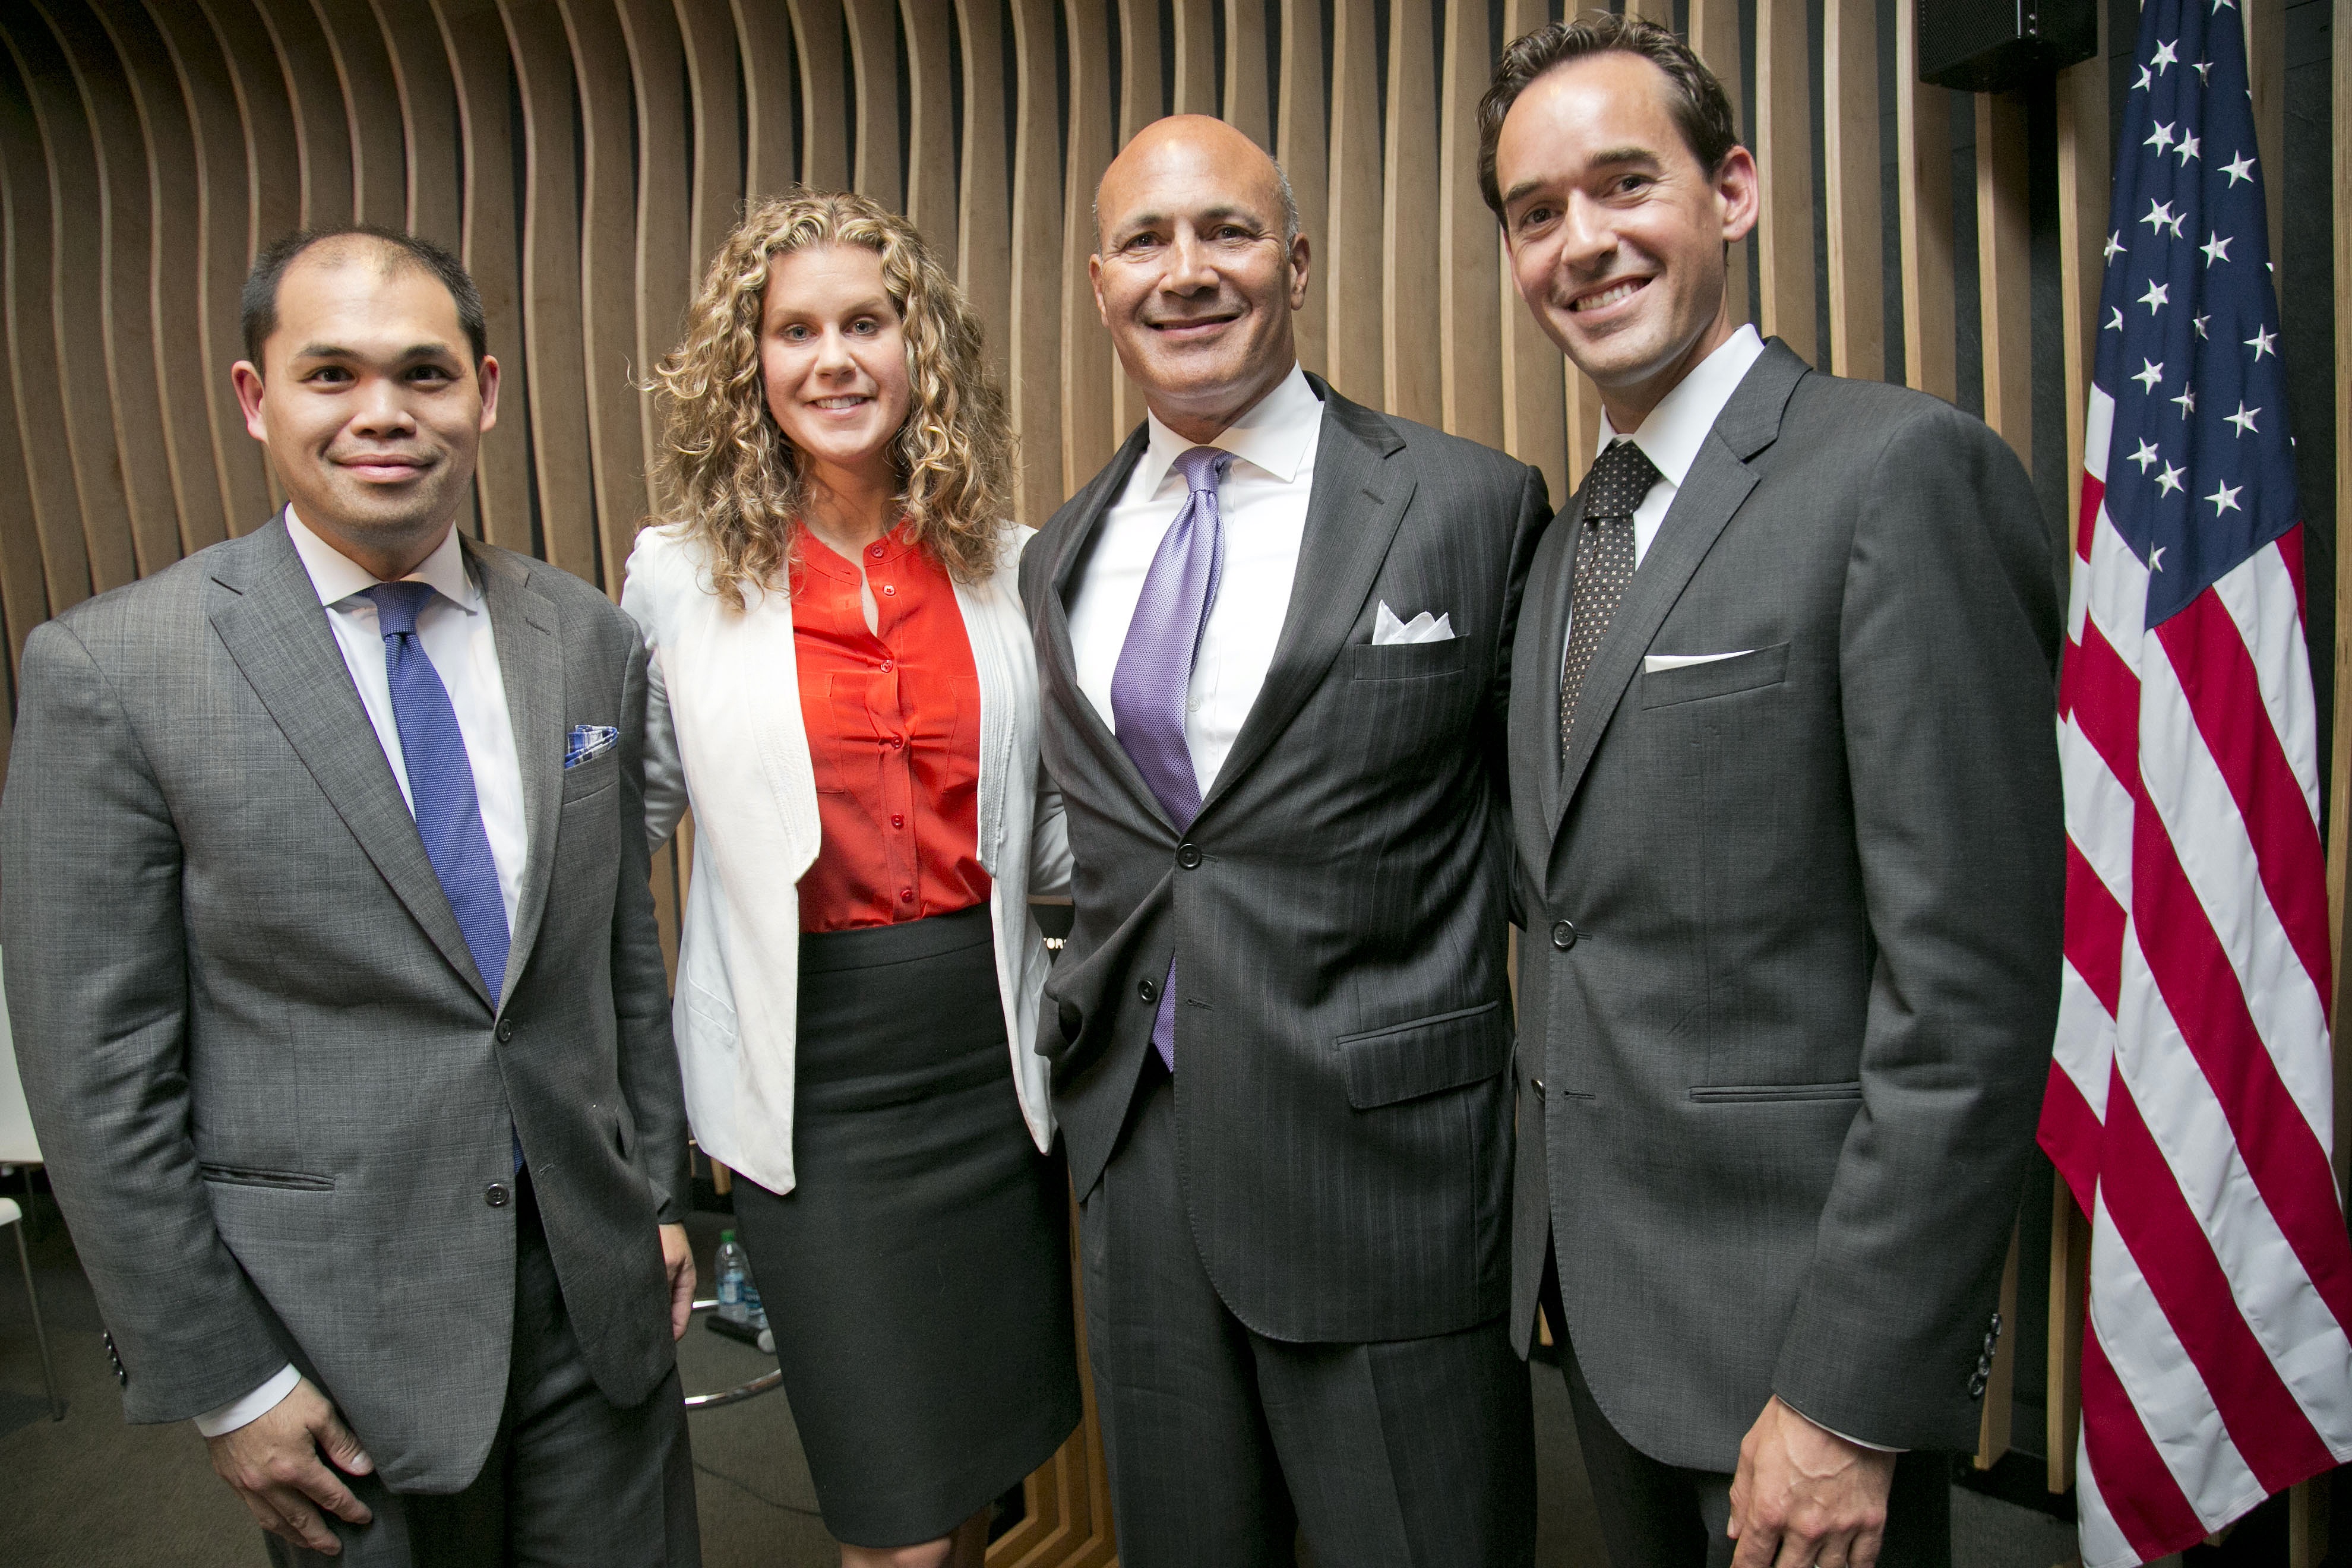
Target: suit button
(506, 1030)
(1977, 1386)
(1539, 1083)
(497, 1194)
(1563, 935)
(1188, 855)
(1147, 990)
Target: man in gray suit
(1274, 642)
(335, 982)
(1785, 789)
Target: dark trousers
(1656, 1515)
(1221, 1443)
(571, 1478)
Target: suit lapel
(1086, 512)
(277, 631)
(1535, 695)
(1353, 511)
(1718, 481)
(528, 631)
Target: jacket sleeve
(643, 594)
(1532, 518)
(97, 969)
(648, 1057)
(1948, 642)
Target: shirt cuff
(226, 1419)
(1858, 1442)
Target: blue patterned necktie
(441, 782)
(1149, 688)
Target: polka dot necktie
(1613, 487)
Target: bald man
(1273, 638)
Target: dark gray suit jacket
(1792, 958)
(1337, 911)
(273, 1092)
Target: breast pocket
(1408, 661)
(1716, 678)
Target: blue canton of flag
(2200, 473)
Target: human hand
(678, 1261)
(1805, 1497)
(273, 1466)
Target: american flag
(2189, 1103)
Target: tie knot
(1618, 480)
(1203, 468)
(397, 605)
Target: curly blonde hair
(735, 483)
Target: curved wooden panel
(1535, 410)
(1714, 33)
(272, 157)
(1248, 109)
(1089, 366)
(53, 546)
(1469, 282)
(322, 127)
(372, 99)
(1195, 51)
(1784, 235)
(75, 296)
(664, 260)
(1143, 99)
(432, 162)
(822, 53)
(475, 40)
(174, 268)
(1037, 278)
(1409, 294)
(1351, 293)
(930, 124)
(223, 227)
(1923, 130)
(128, 234)
(1857, 260)
(984, 224)
(874, 59)
(1303, 146)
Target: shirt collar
(1671, 436)
(1272, 434)
(336, 576)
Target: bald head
(1183, 143)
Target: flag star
(2158, 295)
(2145, 455)
(2239, 168)
(2116, 246)
(2185, 401)
(2225, 499)
(2187, 149)
(2263, 342)
(2218, 4)
(2156, 559)
(2178, 219)
(2116, 322)
(2216, 247)
(2244, 418)
(2200, 324)
(2202, 67)
(2158, 216)
(2165, 56)
(2170, 481)
(2150, 372)
(2160, 138)
(2143, 79)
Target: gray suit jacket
(1337, 909)
(1792, 958)
(272, 1090)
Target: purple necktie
(1155, 667)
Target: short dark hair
(259, 299)
(1701, 110)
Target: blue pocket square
(588, 740)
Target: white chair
(18, 1146)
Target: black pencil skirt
(917, 1277)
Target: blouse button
(906, 895)
(896, 741)
(889, 590)
(876, 551)
(896, 820)
(887, 666)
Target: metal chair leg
(40, 1334)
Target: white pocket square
(1422, 627)
(1652, 663)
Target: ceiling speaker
(1992, 46)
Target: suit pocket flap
(1426, 1055)
(1716, 678)
(1407, 661)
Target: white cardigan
(723, 733)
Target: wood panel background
(587, 156)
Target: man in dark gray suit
(335, 982)
(1785, 788)
(1274, 641)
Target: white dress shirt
(454, 628)
(1671, 436)
(1262, 501)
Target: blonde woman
(844, 691)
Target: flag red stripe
(2095, 490)
(2070, 1135)
(2095, 930)
(2102, 698)
(2143, 1197)
(2290, 549)
(2208, 655)
(2289, 1167)
(2147, 1504)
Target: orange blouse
(893, 720)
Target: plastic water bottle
(734, 1280)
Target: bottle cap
(725, 1236)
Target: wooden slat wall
(587, 156)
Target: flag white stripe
(2260, 596)
(2103, 1545)
(2116, 592)
(2099, 811)
(2086, 1048)
(2098, 430)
